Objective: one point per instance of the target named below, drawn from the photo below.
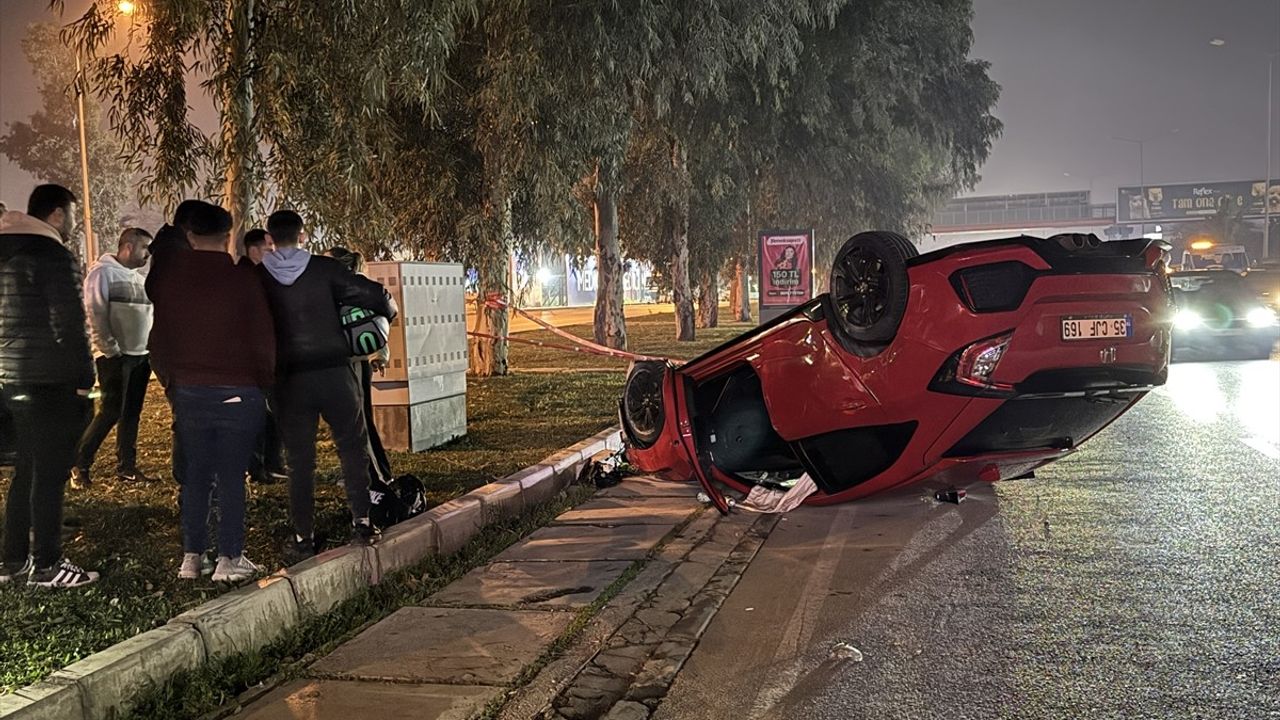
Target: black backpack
(396, 501)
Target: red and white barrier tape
(495, 301)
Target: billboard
(786, 270)
(1191, 201)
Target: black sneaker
(363, 532)
(134, 475)
(80, 479)
(11, 572)
(62, 575)
(299, 549)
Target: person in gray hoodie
(316, 374)
(119, 313)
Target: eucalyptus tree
(886, 115)
(47, 143)
(314, 81)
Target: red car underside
(789, 396)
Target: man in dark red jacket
(213, 343)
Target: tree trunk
(709, 300)
(610, 317)
(681, 292)
(742, 285)
(488, 355)
(240, 148)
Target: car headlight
(1187, 320)
(1260, 317)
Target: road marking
(801, 625)
(1263, 446)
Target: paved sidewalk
(469, 643)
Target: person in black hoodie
(172, 237)
(317, 376)
(46, 372)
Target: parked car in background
(1221, 315)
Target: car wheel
(869, 285)
(643, 411)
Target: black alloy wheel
(869, 286)
(643, 411)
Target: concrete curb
(104, 684)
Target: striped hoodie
(117, 308)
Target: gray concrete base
(623, 511)
(44, 700)
(541, 584)
(589, 542)
(342, 700)
(110, 679)
(445, 645)
(244, 619)
(632, 487)
(253, 616)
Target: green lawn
(130, 532)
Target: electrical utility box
(421, 400)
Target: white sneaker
(235, 569)
(11, 573)
(194, 565)
(62, 575)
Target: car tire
(643, 409)
(869, 286)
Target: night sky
(1075, 74)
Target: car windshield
(1221, 285)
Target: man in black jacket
(46, 373)
(316, 372)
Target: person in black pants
(379, 464)
(215, 341)
(119, 313)
(267, 465)
(316, 374)
(46, 372)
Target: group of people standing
(251, 354)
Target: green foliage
(47, 145)
(326, 81)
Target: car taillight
(978, 362)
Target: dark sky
(1074, 73)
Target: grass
(130, 532)
(219, 685)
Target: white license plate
(1096, 327)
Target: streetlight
(126, 8)
(90, 243)
(1142, 168)
(1266, 187)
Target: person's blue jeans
(217, 430)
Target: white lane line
(1266, 448)
(800, 626)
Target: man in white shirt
(119, 315)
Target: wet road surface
(1139, 578)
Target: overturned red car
(976, 362)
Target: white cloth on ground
(767, 500)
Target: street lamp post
(1266, 186)
(127, 8)
(90, 243)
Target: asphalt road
(1139, 578)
